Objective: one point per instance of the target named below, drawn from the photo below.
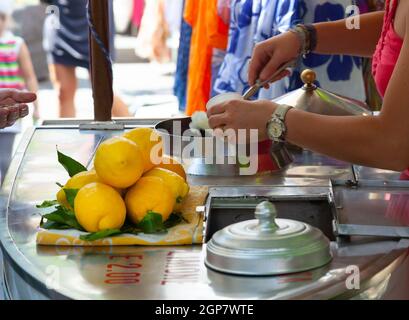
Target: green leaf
(47, 204)
(72, 166)
(70, 194)
(67, 211)
(55, 217)
(152, 223)
(101, 235)
(59, 184)
(51, 225)
(65, 217)
(174, 219)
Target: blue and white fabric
(341, 74)
(253, 21)
(182, 68)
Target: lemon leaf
(101, 235)
(66, 211)
(47, 204)
(152, 223)
(64, 217)
(70, 165)
(50, 225)
(70, 194)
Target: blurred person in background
(16, 73)
(67, 46)
(16, 67)
(154, 33)
(158, 37)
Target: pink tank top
(387, 54)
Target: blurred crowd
(47, 40)
(154, 25)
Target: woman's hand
(269, 55)
(239, 114)
(13, 106)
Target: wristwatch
(276, 128)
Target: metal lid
(313, 99)
(267, 246)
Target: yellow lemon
(150, 143)
(175, 183)
(99, 207)
(76, 182)
(172, 164)
(62, 199)
(149, 194)
(119, 162)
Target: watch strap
(282, 111)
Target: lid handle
(266, 214)
(309, 76)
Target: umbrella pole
(100, 63)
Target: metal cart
(360, 209)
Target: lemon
(99, 207)
(119, 162)
(149, 194)
(76, 182)
(150, 143)
(172, 164)
(175, 183)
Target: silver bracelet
(302, 35)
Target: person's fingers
(217, 121)
(282, 75)
(270, 68)
(3, 117)
(231, 134)
(24, 111)
(12, 96)
(255, 65)
(24, 97)
(10, 123)
(218, 132)
(14, 115)
(217, 109)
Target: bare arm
(381, 142)
(336, 38)
(27, 69)
(333, 38)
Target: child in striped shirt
(16, 68)
(16, 72)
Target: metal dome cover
(267, 246)
(311, 98)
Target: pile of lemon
(130, 179)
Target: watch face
(275, 129)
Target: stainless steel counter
(361, 203)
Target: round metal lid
(267, 246)
(313, 99)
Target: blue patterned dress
(341, 74)
(69, 44)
